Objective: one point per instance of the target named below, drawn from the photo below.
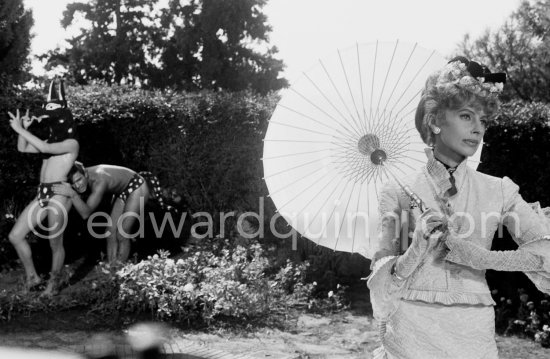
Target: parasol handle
(413, 196)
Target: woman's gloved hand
(430, 227)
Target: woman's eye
(465, 116)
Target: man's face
(79, 182)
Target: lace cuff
(471, 255)
(385, 288)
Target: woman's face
(461, 133)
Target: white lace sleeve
(385, 288)
(530, 229)
(469, 254)
(389, 213)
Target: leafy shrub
(515, 147)
(207, 146)
(18, 171)
(225, 282)
(228, 281)
(523, 316)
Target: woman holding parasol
(437, 288)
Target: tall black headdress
(59, 118)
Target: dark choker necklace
(453, 190)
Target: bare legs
(123, 217)
(26, 222)
(112, 241)
(57, 221)
(31, 216)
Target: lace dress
(444, 309)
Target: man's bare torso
(116, 178)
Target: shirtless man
(59, 152)
(131, 191)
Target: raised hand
(429, 230)
(26, 120)
(15, 121)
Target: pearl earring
(436, 130)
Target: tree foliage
(514, 147)
(213, 44)
(521, 48)
(15, 40)
(190, 45)
(115, 47)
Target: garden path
(347, 334)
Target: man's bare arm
(85, 209)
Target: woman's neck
(450, 159)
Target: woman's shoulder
(480, 176)
(504, 184)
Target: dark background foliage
(517, 147)
(195, 45)
(15, 41)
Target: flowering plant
(456, 74)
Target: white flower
(546, 328)
(314, 283)
(457, 74)
(180, 262)
(330, 294)
(189, 287)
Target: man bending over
(129, 190)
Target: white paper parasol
(327, 129)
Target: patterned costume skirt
(153, 184)
(428, 330)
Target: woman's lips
(472, 143)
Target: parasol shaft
(404, 241)
(413, 196)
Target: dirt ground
(346, 334)
(342, 335)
